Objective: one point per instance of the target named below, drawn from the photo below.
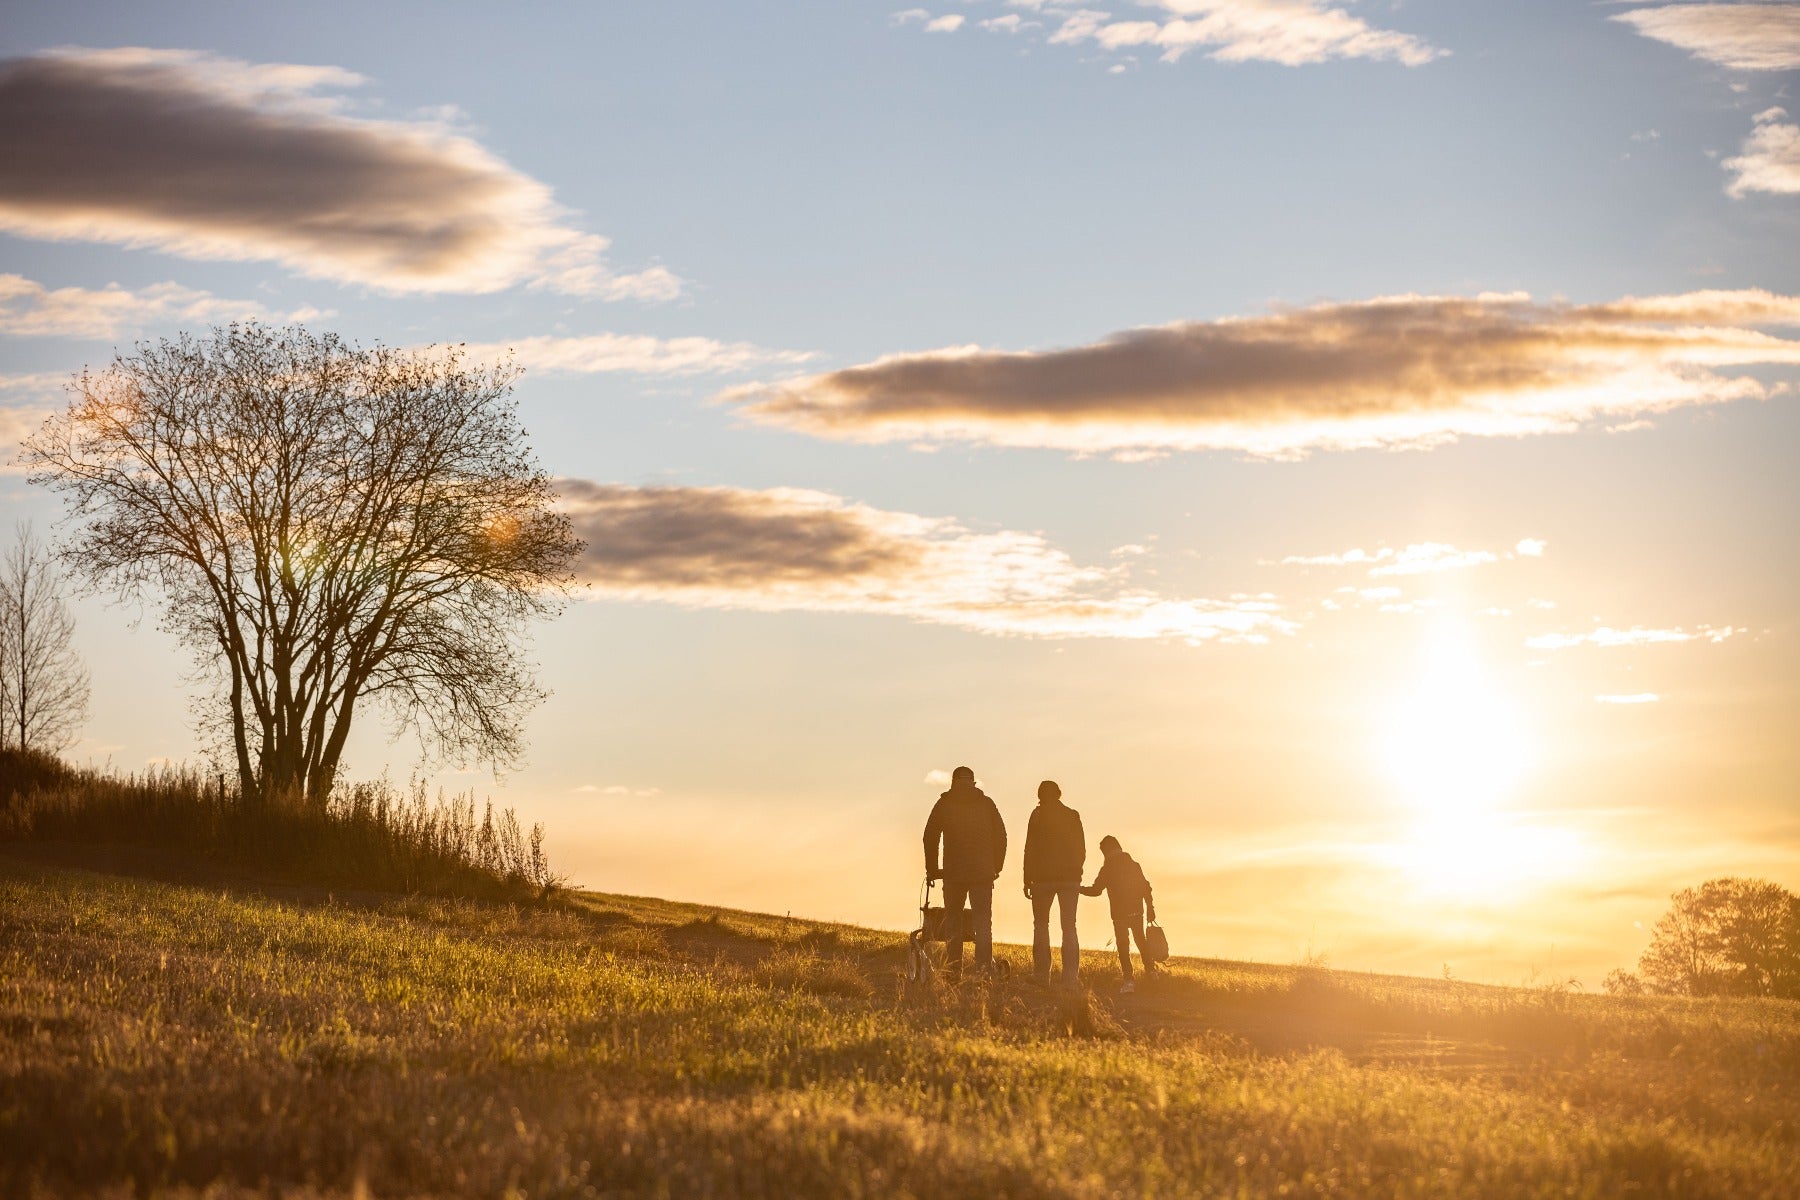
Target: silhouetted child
(1128, 893)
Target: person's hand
(1151, 914)
(1028, 891)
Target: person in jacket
(1128, 892)
(973, 838)
(1055, 852)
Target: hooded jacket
(973, 836)
(1055, 844)
(1127, 891)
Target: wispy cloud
(1770, 158)
(1427, 557)
(1010, 23)
(17, 424)
(787, 549)
(1745, 37)
(1631, 698)
(1289, 32)
(616, 789)
(214, 158)
(1417, 558)
(948, 23)
(1393, 372)
(1637, 635)
(29, 309)
(638, 354)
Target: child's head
(1109, 845)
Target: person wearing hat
(1055, 852)
(973, 838)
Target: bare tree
(43, 685)
(326, 526)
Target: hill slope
(173, 1037)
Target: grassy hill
(218, 1038)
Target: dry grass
(370, 835)
(168, 1039)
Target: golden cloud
(1746, 37)
(214, 158)
(789, 549)
(1390, 372)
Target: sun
(1456, 744)
(1459, 748)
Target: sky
(1348, 446)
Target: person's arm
(934, 830)
(1099, 885)
(1080, 840)
(1031, 843)
(999, 838)
(1149, 901)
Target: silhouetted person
(1055, 852)
(1128, 892)
(974, 841)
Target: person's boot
(1126, 988)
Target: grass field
(215, 1038)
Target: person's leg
(981, 899)
(1137, 931)
(1041, 896)
(1122, 939)
(1067, 897)
(955, 895)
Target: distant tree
(1727, 937)
(326, 527)
(1620, 982)
(43, 685)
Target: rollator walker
(927, 947)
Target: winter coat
(973, 835)
(1055, 844)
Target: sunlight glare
(1456, 745)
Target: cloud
(17, 424)
(637, 354)
(1289, 32)
(29, 309)
(32, 386)
(1425, 557)
(214, 158)
(787, 549)
(1633, 698)
(1530, 547)
(1637, 635)
(616, 789)
(1401, 371)
(1745, 37)
(1770, 161)
(938, 777)
(1418, 558)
